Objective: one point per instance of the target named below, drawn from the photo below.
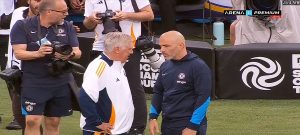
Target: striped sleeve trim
(100, 69)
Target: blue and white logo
(248, 12)
(264, 73)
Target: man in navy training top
(182, 90)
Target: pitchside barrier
(258, 71)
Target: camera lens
(262, 4)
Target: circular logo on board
(264, 73)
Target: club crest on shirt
(29, 108)
(181, 76)
(61, 32)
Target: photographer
(273, 29)
(119, 15)
(39, 42)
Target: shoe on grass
(14, 125)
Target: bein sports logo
(265, 80)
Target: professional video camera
(262, 5)
(146, 45)
(109, 24)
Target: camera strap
(147, 25)
(39, 31)
(134, 5)
(119, 2)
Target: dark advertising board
(258, 71)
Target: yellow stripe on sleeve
(100, 68)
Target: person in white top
(284, 29)
(7, 6)
(129, 21)
(105, 98)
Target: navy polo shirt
(35, 72)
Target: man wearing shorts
(45, 92)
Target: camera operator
(121, 16)
(274, 29)
(43, 95)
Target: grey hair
(46, 5)
(116, 39)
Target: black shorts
(47, 101)
(176, 126)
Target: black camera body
(109, 24)
(146, 45)
(106, 14)
(61, 48)
(57, 66)
(13, 78)
(11, 74)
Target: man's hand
(91, 21)
(44, 50)
(106, 127)
(153, 126)
(120, 16)
(188, 131)
(94, 18)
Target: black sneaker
(0, 119)
(14, 125)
